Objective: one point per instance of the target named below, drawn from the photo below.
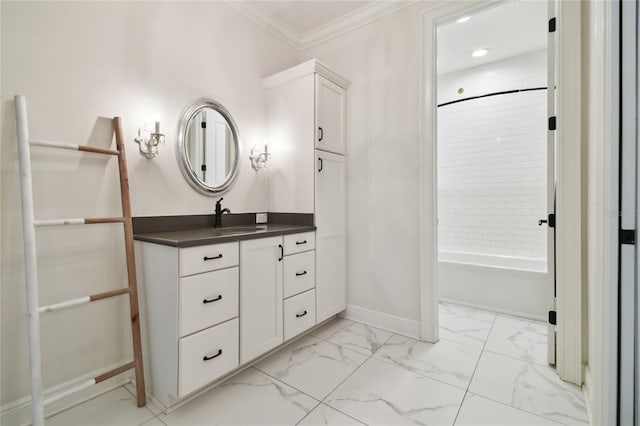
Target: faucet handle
(220, 200)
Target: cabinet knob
(301, 315)
(299, 274)
(321, 134)
(212, 258)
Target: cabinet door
(331, 102)
(260, 296)
(330, 235)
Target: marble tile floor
(487, 369)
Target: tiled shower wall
(492, 160)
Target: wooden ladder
(31, 271)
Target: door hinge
(203, 124)
(552, 25)
(552, 220)
(552, 123)
(552, 317)
(203, 167)
(627, 236)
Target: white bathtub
(512, 285)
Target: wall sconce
(259, 156)
(148, 141)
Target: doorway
(490, 151)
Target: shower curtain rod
(506, 92)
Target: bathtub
(512, 285)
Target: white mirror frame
(185, 167)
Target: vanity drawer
(296, 243)
(299, 313)
(194, 260)
(207, 299)
(207, 355)
(299, 273)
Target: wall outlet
(261, 218)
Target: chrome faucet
(218, 214)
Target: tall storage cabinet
(306, 112)
(330, 235)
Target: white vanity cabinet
(260, 296)
(306, 114)
(277, 298)
(189, 308)
(206, 310)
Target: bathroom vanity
(217, 299)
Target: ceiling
(507, 30)
(307, 23)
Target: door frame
(569, 285)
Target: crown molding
(351, 21)
(344, 24)
(277, 28)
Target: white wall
(382, 60)
(492, 159)
(77, 62)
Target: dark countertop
(210, 235)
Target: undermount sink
(240, 229)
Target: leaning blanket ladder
(31, 271)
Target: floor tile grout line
(284, 383)
(474, 371)
(515, 408)
(496, 401)
(418, 373)
(515, 358)
(309, 412)
(345, 379)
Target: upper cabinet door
(331, 102)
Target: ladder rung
(74, 147)
(78, 221)
(115, 372)
(89, 382)
(82, 300)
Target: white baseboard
(493, 309)
(393, 323)
(19, 412)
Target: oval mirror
(208, 147)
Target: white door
(551, 187)
(261, 325)
(330, 235)
(331, 101)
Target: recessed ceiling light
(480, 52)
(463, 19)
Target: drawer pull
(215, 299)
(207, 358)
(301, 242)
(213, 258)
(299, 274)
(301, 315)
